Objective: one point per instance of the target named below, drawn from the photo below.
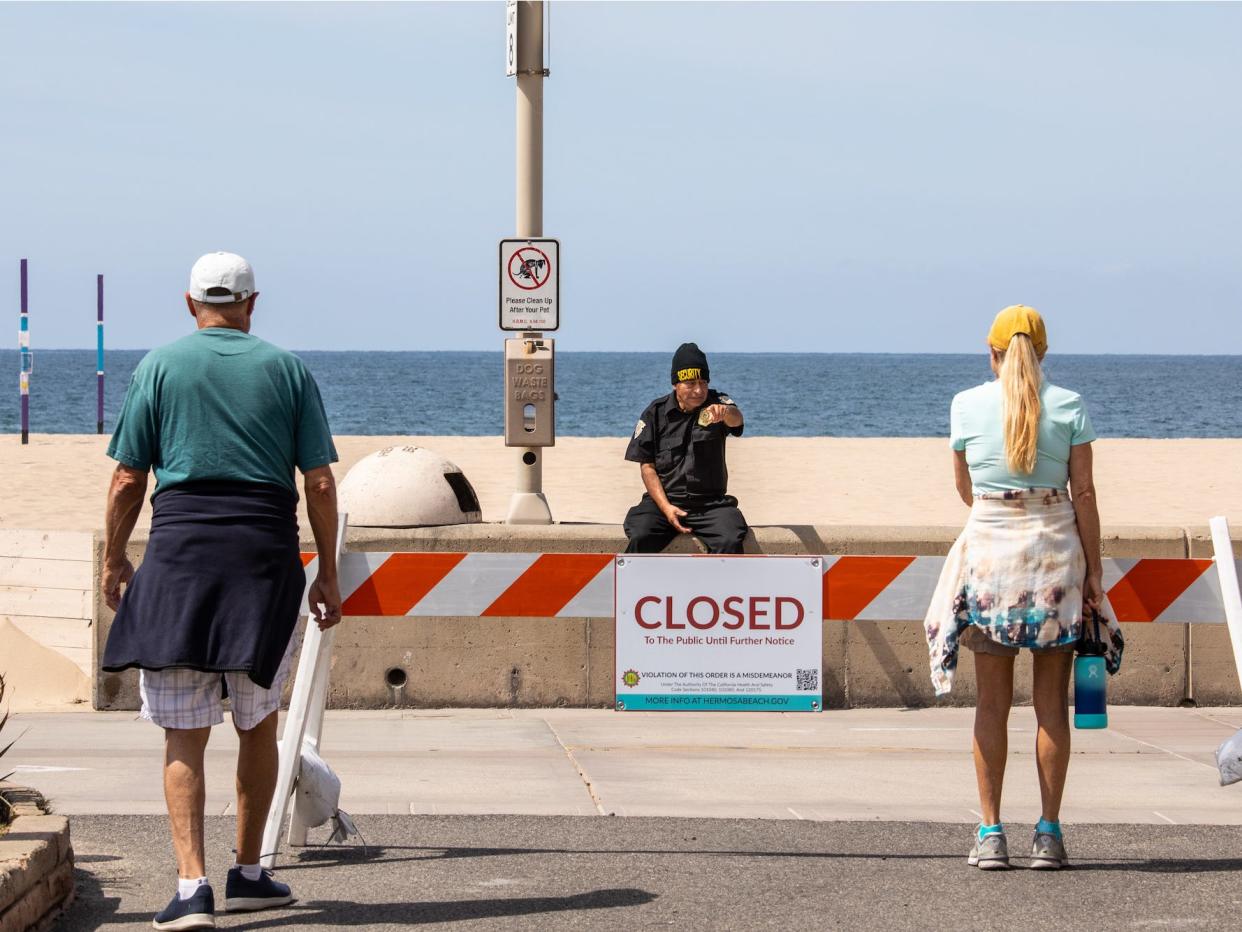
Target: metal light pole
(528, 504)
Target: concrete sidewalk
(1154, 765)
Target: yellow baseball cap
(1015, 319)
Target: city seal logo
(639, 428)
(630, 678)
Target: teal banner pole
(99, 356)
(27, 364)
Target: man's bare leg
(257, 766)
(185, 792)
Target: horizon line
(661, 352)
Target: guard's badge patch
(640, 427)
(725, 399)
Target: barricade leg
(291, 741)
(314, 726)
(1231, 595)
(310, 690)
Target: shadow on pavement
(91, 907)
(1163, 865)
(345, 913)
(340, 855)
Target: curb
(36, 863)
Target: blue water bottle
(1090, 676)
(1090, 700)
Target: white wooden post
(1227, 570)
(310, 692)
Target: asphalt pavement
(557, 872)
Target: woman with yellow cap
(1022, 571)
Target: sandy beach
(59, 482)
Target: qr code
(808, 680)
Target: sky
(756, 177)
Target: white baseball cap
(221, 278)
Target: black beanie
(689, 363)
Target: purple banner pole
(23, 345)
(99, 354)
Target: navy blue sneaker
(247, 896)
(198, 912)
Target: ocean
(602, 394)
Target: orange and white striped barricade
(855, 588)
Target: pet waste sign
(702, 633)
(530, 289)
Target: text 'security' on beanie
(689, 364)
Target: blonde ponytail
(1020, 379)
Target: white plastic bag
(319, 795)
(1229, 759)
(319, 789)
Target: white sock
(250, 871)
(187, 888)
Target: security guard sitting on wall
(680, 444)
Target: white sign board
(699, 633)
(511, 38)
(530, 284)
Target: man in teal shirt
(223, 419)
(222, 404)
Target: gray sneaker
(1048, 852)
(990, 854)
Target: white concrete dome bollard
(407, 487)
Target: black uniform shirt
(689, 458)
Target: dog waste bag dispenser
(530, 393)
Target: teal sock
(986, 830)
(1048, 828)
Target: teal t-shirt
(976, 425)
(222, 404)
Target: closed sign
(719, 633)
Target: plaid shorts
(181, 698)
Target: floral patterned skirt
(1016, 572)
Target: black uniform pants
(717, 522)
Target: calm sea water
(602, 394)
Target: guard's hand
(717, 413)
(325, 602)
(1093, 590)
(671, 514)
(114, 576)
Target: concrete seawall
(548, 662)
(46, 605)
